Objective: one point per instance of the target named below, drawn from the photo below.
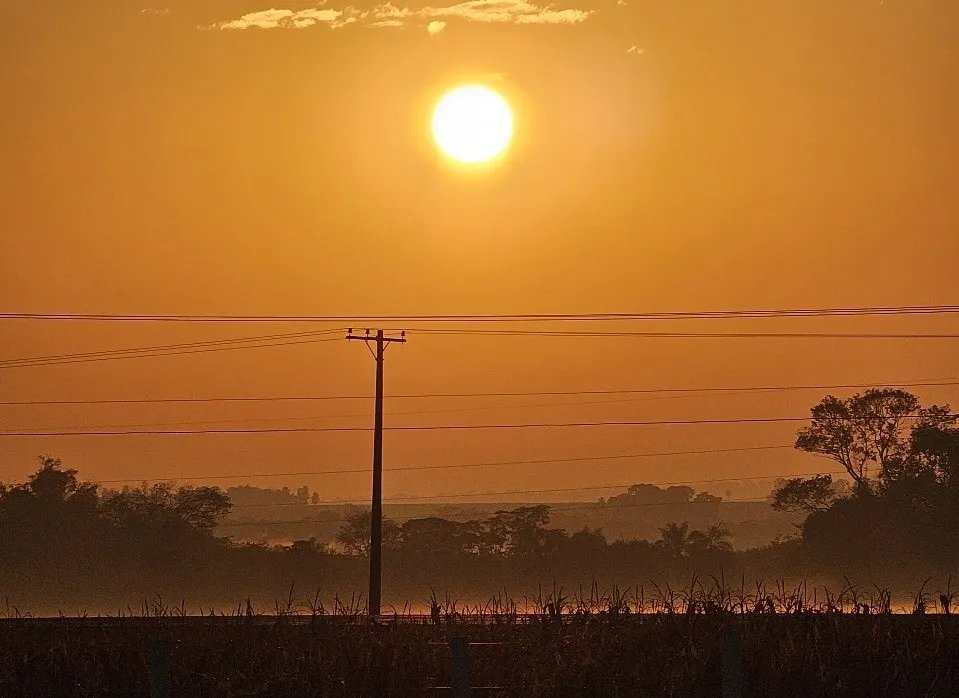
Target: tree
(520, 531)
(51, 485)
(678, 493)
(805, 494)
(433, 536)
(869, 427)
(674, 539)
(586, 542)
(715, 539)
(201, 507)
(935, 449)
(642, 494)
(651, 494)
(354, 536)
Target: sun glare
(472, 124)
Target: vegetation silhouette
(903, 460)
(65, 543)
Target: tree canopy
(880, 428)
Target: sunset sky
(223, 157)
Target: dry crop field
(561, 651)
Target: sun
(472, 124)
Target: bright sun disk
(472, 124)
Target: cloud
(507, 11)
(389, 15)
(155, 11)
(634, 49)
(548, 16)
(277, 19)
(390, 11)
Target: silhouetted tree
(679, 493)
(715, 539)
(934, 448)
(642, 494)
(817, 493)
(652, 494)
(869, 427)
(520, 531)
(198, 507)
(434, 536)
(354, 536)
(586, 542)
(674, 539)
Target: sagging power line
(485, 464)
(502, 317)
(432, 427)
(217, 345)
(928, 382)
(685, 335)
(550, 490)
(268, 341)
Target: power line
(275, 341)
(255, 342)
(431, 427)
(455, 495)
(931, 382)
(502, 317)
(486, 464)
(188, 345)
(471, 409)
(686, 335)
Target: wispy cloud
(155, 11)
(390, 11)
(290, 19)
(636, 50)
(507, 11)
(548, 16)
(390, 15)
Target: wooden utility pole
(381, 341)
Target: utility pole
(381, 341)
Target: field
(680, 645)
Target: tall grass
(644, 640)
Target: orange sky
(747, 154)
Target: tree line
(896, 512)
